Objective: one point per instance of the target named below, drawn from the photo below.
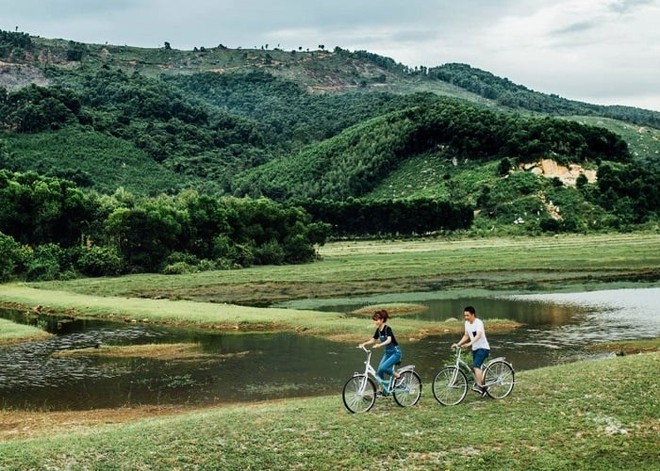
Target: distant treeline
(355, 217)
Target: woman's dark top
(383, 334)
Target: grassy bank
(351, 269)
(370, 267)
(596, 415)
(332, 325)
(11, 332)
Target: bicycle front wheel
(450, 386)
(499, 379)
(359, 394)
(408, 389)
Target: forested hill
(320, 128)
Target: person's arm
(382, 344)
(368, 342)
(460, 343)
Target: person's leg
(382, 366)
(478, 358)
(479, 375)
(388, 361)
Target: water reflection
(528, 312)
(245, 367)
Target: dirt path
(18, 425)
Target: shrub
(207, 265)
(270, 253)
(177, 257)
(100, 261)
(46, 263)
(179, 268)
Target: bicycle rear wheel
(408, 389)
(359, 394)
(499, 379)
(450, 386)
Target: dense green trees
(38, 210)
(278, 129)
(50, 229)
(13, 42)
(287, 115)
(355, 217)
(34, 109)
(629, 191)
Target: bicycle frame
(451, 383)
(462, 364)
(386, 384)
(360, 391)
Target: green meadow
(597, 414)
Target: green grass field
(367, 267)
(208, 299)
(596, 415)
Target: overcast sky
(598, 51)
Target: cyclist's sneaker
(477, 389)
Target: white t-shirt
(472, 329)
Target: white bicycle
(359, 392)
(450, 384)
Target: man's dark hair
(470, 309)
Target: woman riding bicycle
(386, 337)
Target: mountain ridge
(359, 69)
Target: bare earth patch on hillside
(15, 76)
(567, 174)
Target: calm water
(246, 367)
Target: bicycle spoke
(499, 378)
(359, 394)
(450, 386)
(408, 389)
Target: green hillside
(355, 161)
(90, 159)
(304, 126)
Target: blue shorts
(479, 356)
